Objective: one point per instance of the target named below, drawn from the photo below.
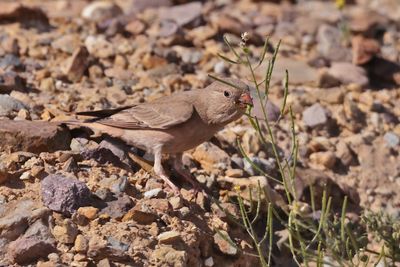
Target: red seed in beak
(245, 99)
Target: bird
(175, 123)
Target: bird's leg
(159, 171)
(182, 171)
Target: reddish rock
(33, 136)
(36, 243)
(77, 64)
(64, 195)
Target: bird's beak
(245, 99)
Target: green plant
(323, 237)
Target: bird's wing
(158, 115)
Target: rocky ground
(71, 199)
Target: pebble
(223, 245)
(209, 262)
(101, 11)
(66, 233)
(220, 68)
(37, 242)
(25, 175)
(234, 173)
(324, 158)
(63, 194)
(81, 244)
(88, 212)
(347, 73)
(315, 116)
(154, 193)
(392, 139)
(184, 14)
(329, 44)
(9, 104)
(168, 256)
(169, 237)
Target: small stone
(16, 215)
(63, 194)
(81, 244)
(95, 72)
(333, 95)
(100, 11)
(225, 211)
(324, 158)
(139, 217)
(104, 263)
(392, 139)
(209, 262)
(169, 237)
(251, 142)
(154, 193)
(101, 247)
(53, 257)
(9, 104)
(118, 208)
(25, 175)
(176, 202)
(99, 47)
(220, 68)
(299, 72)
(70, 165)
(79, 258)
(184, 211)
(315, 116)
(168, 256)
(183, 15)
(135, 27)
(77, 64)
(66, 233)
(47, 85)
(344, 154)
(329, 44)
(120, 62)
(46, 115)
(88, 212)
(237, 173)
(24, 114)
(10, 62)
(37, 242)
(4, 174)
(11, 81)
(67, 43)
(348, 73)
(223, 245)
(211, 157)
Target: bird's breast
(189, 135)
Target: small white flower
(245, 36)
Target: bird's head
(227, 103)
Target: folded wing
(160, 115)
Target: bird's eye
(227, 94)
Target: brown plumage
(175, 123)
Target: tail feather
(104, 113)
